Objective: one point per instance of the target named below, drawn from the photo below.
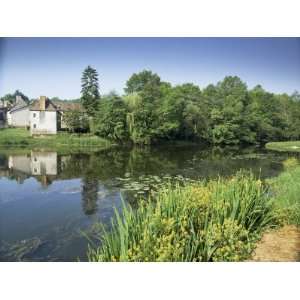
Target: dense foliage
(215, 221)
(76, 121)
(226, 113)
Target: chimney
(42, 102)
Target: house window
(34, 115)
(34, 125)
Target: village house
(42, 116)
(18, 114)
(46, 116)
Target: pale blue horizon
(53, 66)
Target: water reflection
(89, 195)
(42, 165)
(107, 166)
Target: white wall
(38, 163)
(19, 118)
(20, 163)
(43, 122)
(43, 163)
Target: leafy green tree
(76, 121)
(142, 117)
(265, 113)
(138, 81)
(111, 118)
(228, 113)
(90, 95)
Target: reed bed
(218, 220)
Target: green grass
(286, 191)
(215, 221)
(291, 146)
(19, 137)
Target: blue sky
(53, 66)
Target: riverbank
(285, 190)
(280, 245)
(19, 137)
(291, 146)
(221, 220)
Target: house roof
(67, 106)
(50, 106)
(20, 104)
(56, 105)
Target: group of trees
(152, 110)
(226, 113)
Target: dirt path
(279, 245)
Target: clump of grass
(285, 190)
(215, 221)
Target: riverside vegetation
(217, 220)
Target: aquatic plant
(197, 221)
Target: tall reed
(214, 221)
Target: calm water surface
(48, 199)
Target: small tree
(76, 121)
(90, 90)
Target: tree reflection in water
(106, 167)
(89, 195)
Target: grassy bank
(291, 146)
(19, 137)
(286, 191)
(215, 221)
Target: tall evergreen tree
(90, 95)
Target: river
(50, 201)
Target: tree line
(152, 110)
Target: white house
(18, 115)
(44, 117)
